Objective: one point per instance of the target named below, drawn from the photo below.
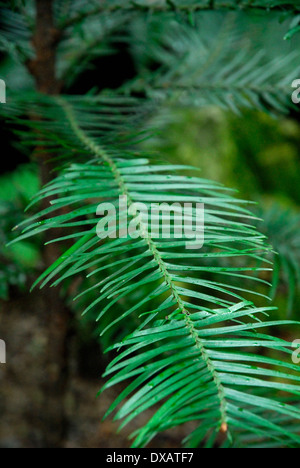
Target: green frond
(16, 30)
(108, 117)
(192, 354)
(210, 62)
(219, 61)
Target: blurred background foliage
(18, 261)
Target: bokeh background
(253, 152)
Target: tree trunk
(58, 318)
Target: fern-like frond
(215, 62)
(212, 62)
(109, 117)
(16, 31)
(192, 355)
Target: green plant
(188, 349)
(281, 226)
(16, 262)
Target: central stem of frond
(98, 151)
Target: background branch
(177, 7)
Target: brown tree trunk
(53, 418)
(45, 40)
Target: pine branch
(216, 63)
(185, 353)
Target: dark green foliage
(10, 273)
(282, 227)
(198, 323)
(16, 263)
